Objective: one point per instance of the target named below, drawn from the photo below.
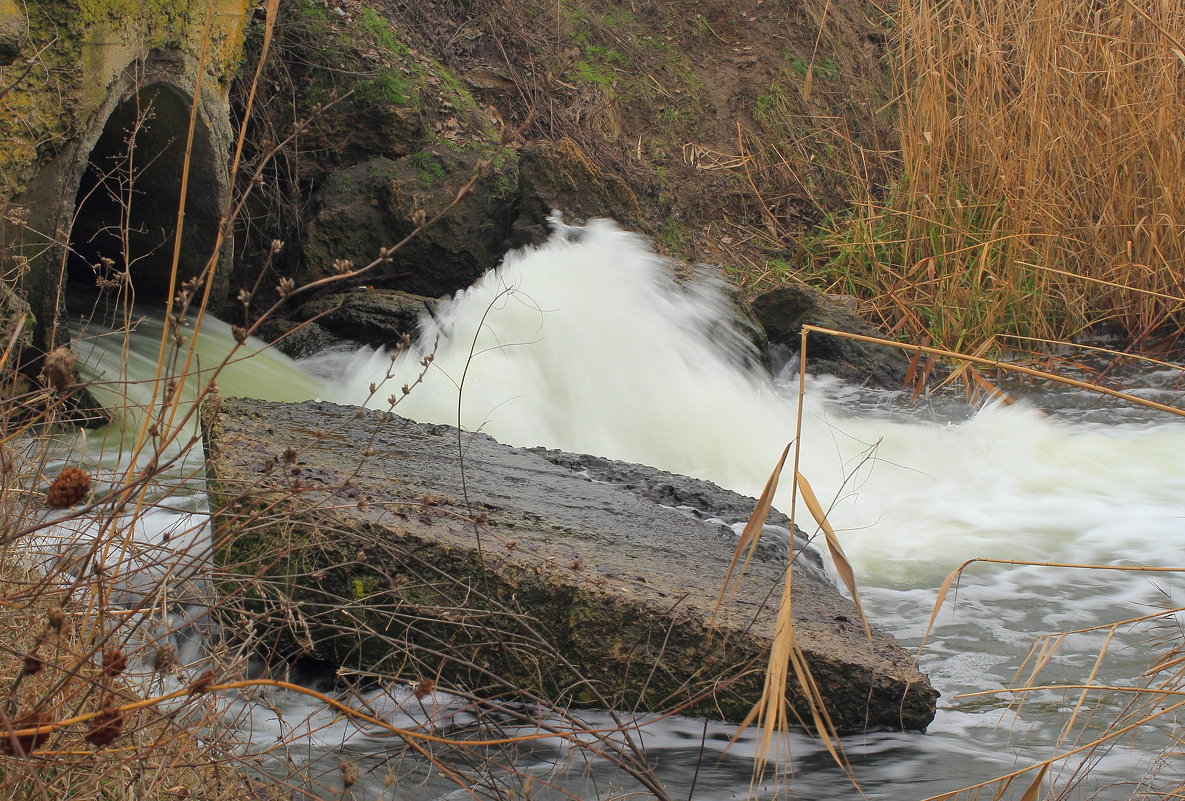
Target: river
(589, 344)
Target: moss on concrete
(78, 48)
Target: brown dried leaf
(747, 544)
(842, 566)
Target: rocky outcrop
(377, 317)
(783, 312)
(377, 203)
(427, 553)
(559, 176)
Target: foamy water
(588, 344)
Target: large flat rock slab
(413, 550)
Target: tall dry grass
(1042, 190)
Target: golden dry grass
(1042, 189)
(53, 667)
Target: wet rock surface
(416, 551)
(701, 500)
(785, 310)
(378, 317)
(377, 203)
(559, 176)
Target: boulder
(783, 312)
(357, 131)
(421, 552)
(378, 317)
(559, 176)
(376, 203)
(295, 339)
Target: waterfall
(593, 343)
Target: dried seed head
(165, 658)
(341, 266)
(349, 773)
(115, 661)
(285, 287)
(244, 297)
(423, 688)
(59, 367)
(277, 246)
(239, 333)
(28, 719)
(31, 664)
(201, 684)
(108, 726)
(17, 215)
(70, 487)
(289, 455)
(55, 618)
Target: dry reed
(1041, 183)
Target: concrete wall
(65, 69)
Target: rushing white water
(588, 344)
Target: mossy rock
(558, 176)
(376, 204)
(14, 28)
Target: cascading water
(588, 344)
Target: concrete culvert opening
(126, 207)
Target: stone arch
(125, 209)
(82, 221)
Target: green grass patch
(618, 19)
(428, 168)
(387, 86)
(381, 31)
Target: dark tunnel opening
(125, 221)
